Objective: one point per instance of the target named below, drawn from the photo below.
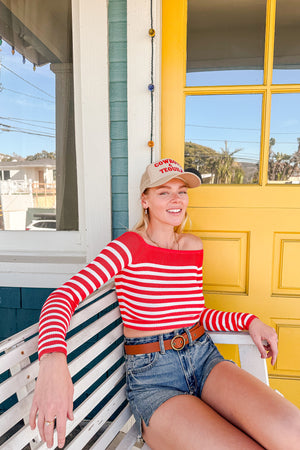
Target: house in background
(218, 68)
(24, 185)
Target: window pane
(225, 42)
(284, 155)
(287, 43)
(37, 145)
(222, 137)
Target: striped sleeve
(60, 305)
(214, 320)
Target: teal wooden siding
(20, 308)
(117, 22)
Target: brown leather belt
(177, 343)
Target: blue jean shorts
(153, 378)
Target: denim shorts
(153, 378)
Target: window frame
(174, 92)
(47, 259)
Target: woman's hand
(53, 398)
(260, 332)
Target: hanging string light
(151, 33)
(13, 51)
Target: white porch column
(66, 177)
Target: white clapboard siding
(95, 359)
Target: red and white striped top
(157, 289)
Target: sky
(213, 119)
(27, 105)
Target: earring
(146, 211)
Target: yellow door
(230, 109)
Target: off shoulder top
(157, 289)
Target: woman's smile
(167, 203)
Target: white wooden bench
(102, 417)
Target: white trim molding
(47, 259)
(139, 106)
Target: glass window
(287, 43)
(37, 144)
(222, 137)
(225, 42)
(284, 148)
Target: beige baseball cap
(161, 172)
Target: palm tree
(225, 167)
(282, 165)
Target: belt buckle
(181, 345)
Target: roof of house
(36, 163)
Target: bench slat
(129, 439)
(113, 430)
(94, 374)
(98, 422)
(91, 330)
(33, 329)
(19, 337)
(95, 350)
(84, 313)
(28, 348)
(18, 354)
(22, 408)
(25, 434)
(16, 413)
(16, 382)
(29, 373)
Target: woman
(184, 395)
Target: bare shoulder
(188, 241)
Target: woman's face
(166, 204)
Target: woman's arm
(53, 398)
(61, 304)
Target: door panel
(250, 232)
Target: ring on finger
(49, 422)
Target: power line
(240, 142)
(27, 95)
(221, 128)
(223, 140)
(28, 82)
(27, 122)
(237, 128)
(30, 120)
(20, 130)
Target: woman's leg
(253, 407)
(186, 422)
